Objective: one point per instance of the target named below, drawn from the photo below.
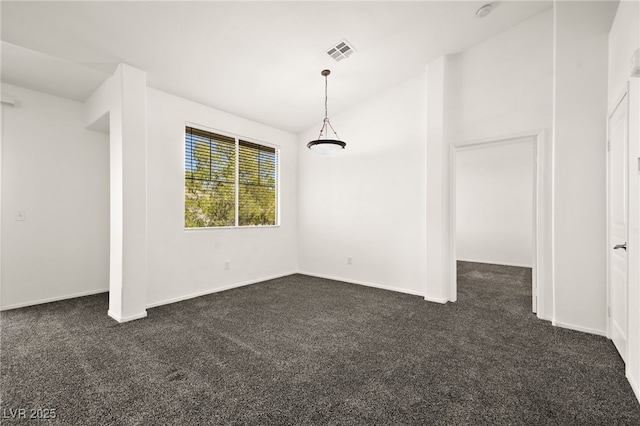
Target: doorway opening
(495, 208)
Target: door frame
(623, 97)
(537, 138)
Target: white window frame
(237, 139)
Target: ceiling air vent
(341, 50)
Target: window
(228, 181)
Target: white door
(617, 204)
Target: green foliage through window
(228, 181)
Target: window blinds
(219, 192)
(257, 178)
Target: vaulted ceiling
(259, 60)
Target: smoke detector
(341, 50)
(484, 10)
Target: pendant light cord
(326, 121)
(326, 85)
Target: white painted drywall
(580, 120)
(437, 287)
(58, 174)
(501, 87)
(61, 250)
(122, 100)
(624, 39)
(494, 204)
(131, 123)
(368, 202)
(185, 263)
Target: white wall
(624, 39)
(580, 119)
(437, 287)
(368, 202)
(184, 263)
(494, 204)
(503, 86)
(500, 88)
(58, 174)
(121, 100)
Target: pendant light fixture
(324, 145)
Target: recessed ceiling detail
(342, 50)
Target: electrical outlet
(21, 215)
(227, 264)
(349, 260)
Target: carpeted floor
(303, 350)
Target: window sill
(215, 228)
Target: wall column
(437, 164)
(579, 172)
(123, 98)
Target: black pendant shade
(323, 145)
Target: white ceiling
(259, 60)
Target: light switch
(21, 215)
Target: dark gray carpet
(302, 350)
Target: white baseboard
(579, 328)
(54, 299)
(126, 319)
(364, 283)
(487, 262)
(543, 317)
(215, 290)
(436, 300)
(634, 385)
